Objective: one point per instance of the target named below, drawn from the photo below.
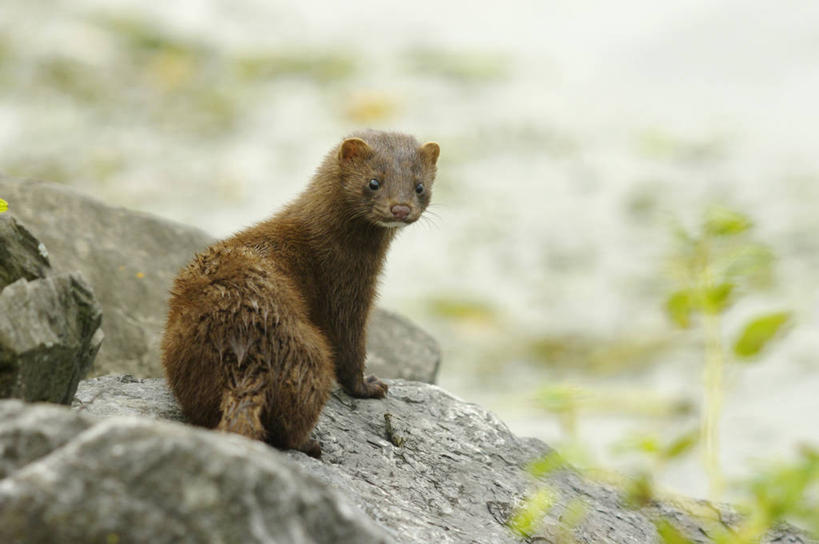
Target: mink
(261, 324)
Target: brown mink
(259, 324)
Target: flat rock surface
(448, 472)
(131, 258)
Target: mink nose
(399, 211)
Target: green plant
(782, 492)
(711, 270)
(778, 493)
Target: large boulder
(130, 479)
(130, 260)
(49, 324)
(441, 470)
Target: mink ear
(353, 148)
(430, 152)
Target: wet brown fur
(260, 324)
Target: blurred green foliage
(722, 221)
(670, 534)
(530, 515)
(457, 66)
(597, 355)
(321, 66)
(786, 491)
(569, 402)
(156, 77)
(661, 451)
(130, 80)
(365, 108)
(461, 309)
(780, 492)
(660, 144)
(711, 269)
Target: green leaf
(670, 534)
(560, 398)
(641, 443)
(721, 221)
(547, 464)
(788, 491)
(751, 262)
(652, 446)
(4, 206)
(758, 332)
(679, 307)
(640, 490)
(531, 513)
(715, 299)
(681, 445)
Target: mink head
(386, 176)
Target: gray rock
(31, 431)
(130, 259)
(136, 480)
(21, 254)
(117, 395)
(49, 336)
(450, 472)
(398, 349)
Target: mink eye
(374, 185)
(419, 189)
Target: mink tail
(242, 406)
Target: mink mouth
(388, 220)
(393, 224)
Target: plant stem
(712, 376)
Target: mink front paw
(312, 448)
(369, 388)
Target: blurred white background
(574, 134)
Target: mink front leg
(349, 365)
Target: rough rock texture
(49, 336)
(29, 432)
(117, 395)
(49, 324)
(450, 472)
(130, 260)
(129, 479)
(21, 254)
